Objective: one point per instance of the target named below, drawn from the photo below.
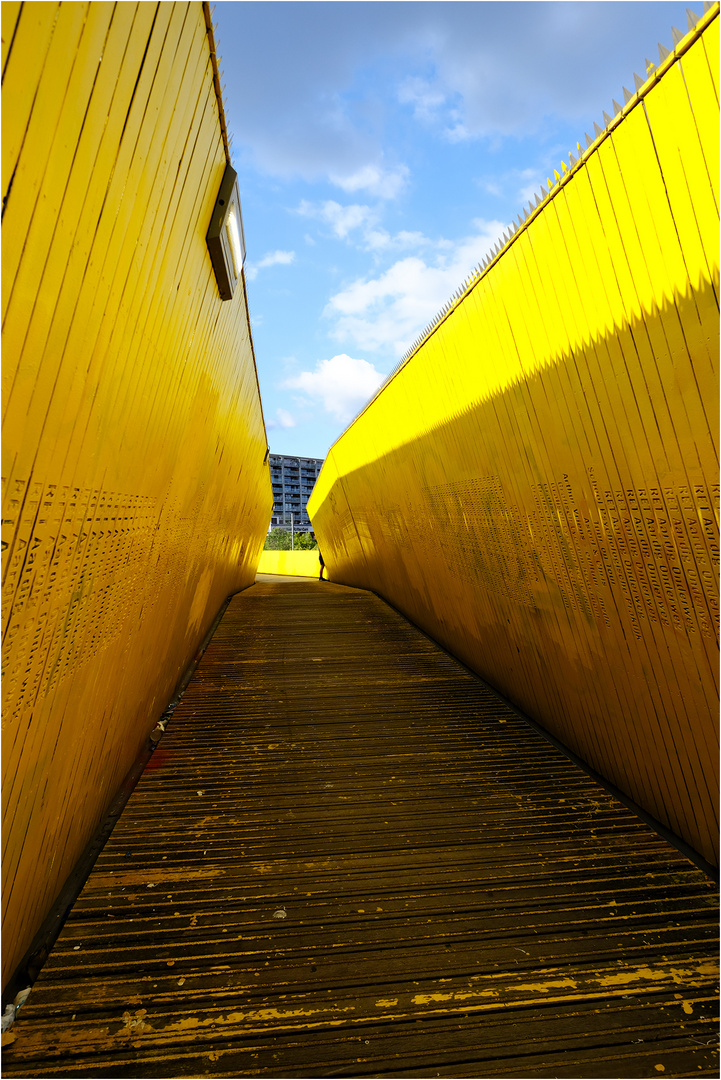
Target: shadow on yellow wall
(537, 486)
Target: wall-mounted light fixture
(225, 239)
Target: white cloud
(524, 182)
(425, 98)
(492, 187)
(284, 418)
(316, 87)
(342, 219)
(273, 258)
(457, 133)
(383, 183)
(380, 240)
(531, 180)
(391, 309)
(343, 385)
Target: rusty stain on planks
(349, 858)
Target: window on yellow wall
(225, 239)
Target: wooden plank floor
(349, 858)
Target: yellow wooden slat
(55, 249)
(711, 48)
(52, 91)
(693, 205)
(681, 137)
(32, 39)
(143, 290)
(69, 252)
(704, 148)
(610, 409)
(109, 259)
(10, 17)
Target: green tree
(277, 540)
(305, 542)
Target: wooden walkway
(349, 858)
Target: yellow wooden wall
(135, 494)
(537, 486)
(291, 563)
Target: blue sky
(381, 150)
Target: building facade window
(293, 480)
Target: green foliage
(279, 540)
(305, 542)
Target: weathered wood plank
(349, 858)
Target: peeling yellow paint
(426, 999)
(549, 984)
(121, 878)
(134, 1024)
(385, 1003)
(657, 974)
(458, 995)
(190, 1023)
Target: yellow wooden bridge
(453, 813)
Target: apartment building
(293, 479)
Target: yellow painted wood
(537, 486)
(135, 495)
(292, 563)
(10, 15)
(711, 48)
(30, 38)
